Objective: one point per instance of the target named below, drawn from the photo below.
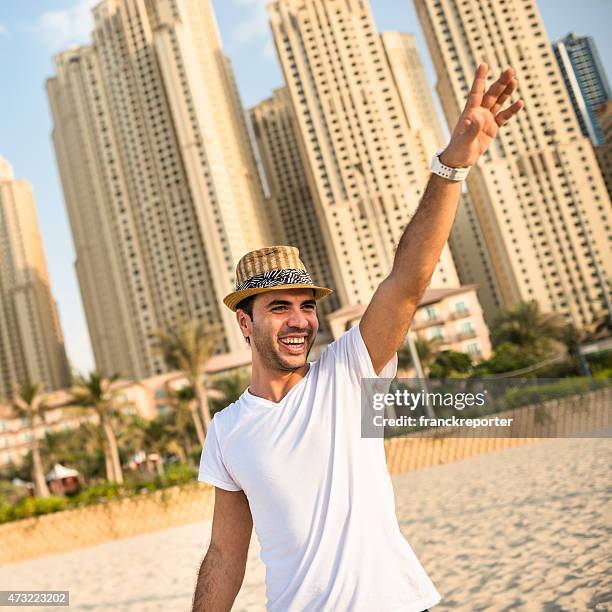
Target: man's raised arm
(385, 323)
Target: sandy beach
(527, 528)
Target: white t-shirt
(320, 495)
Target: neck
(274, 384)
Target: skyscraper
(366, 167)
(538, 193)
(604, 151)
(585, 79)
(31, 342)
(466, 241)
(159, 177)
(291, 200)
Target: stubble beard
(272, 359)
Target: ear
(244, 322)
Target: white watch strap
(452, 174)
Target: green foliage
(600, 362)
(451, 364)
(10, 493)
(101, 492)
(526, 326)
(426, 349)
(188, 346)
(176, 475)
(80, 448)
(536, 394)
(604, 374)
(179, 474)
(507, 358)
(23, 470)
(196, 454)
(567, 368)
(32, 506)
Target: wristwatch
(452, 174)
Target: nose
(297, 319)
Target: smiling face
(283, 328)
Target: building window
(460, 308)
(431, 314)
(473, 348)
(466, 328)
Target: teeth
(292, 340)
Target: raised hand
(481, 118)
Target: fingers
(478, 87)
(504, 96)
(503, 116)
(498, 88)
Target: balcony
(417, 325)
(460, 314)
(467, 334)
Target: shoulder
(336, 357)
(226, 419)
(344, 345)
(350, 352)
(335, 348)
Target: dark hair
(247, 305)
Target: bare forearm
(425, 236)
(218, 584)
(388, 315)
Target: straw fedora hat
(271, 269)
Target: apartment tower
(586, 81)
(539, 196)
(604, 151)
(466, 241)
(365, 166)
(159, 177)
(290, 198)
(31, 343)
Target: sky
(32, 31)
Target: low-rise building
(147, 398)
(451, 317)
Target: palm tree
(29, 404)
(80, 448)
(157, 437)
(188, 348)
(526, 326)
(427, 350)
(95, 394)
(185, 411)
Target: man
(288, 456)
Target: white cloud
(254, 30)
(61, 28)
(3, 30)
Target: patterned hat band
(273, 278)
